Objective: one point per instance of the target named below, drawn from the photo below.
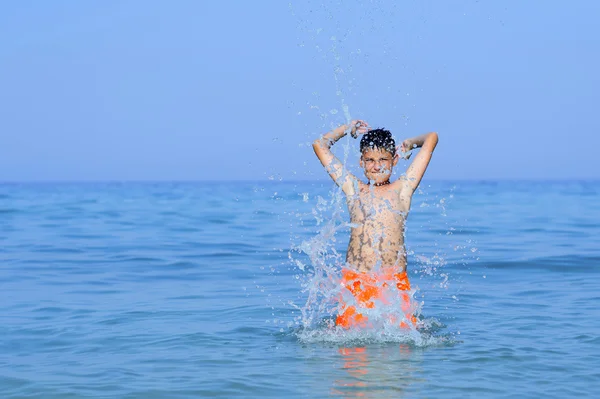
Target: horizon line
(280, 181)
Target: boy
(378, 209)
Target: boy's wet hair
(378, 139)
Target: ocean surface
(210, 290)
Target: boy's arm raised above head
(333, 166)
(418, 166)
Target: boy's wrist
(410, 144)
(341, 130)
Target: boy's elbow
(433, 136)
(317, 145)
(431, 141)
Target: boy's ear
(395, 160)
(361, 163)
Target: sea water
(187, 290)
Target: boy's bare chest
(369, 205)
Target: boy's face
(378, 164)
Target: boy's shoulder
(401, 185)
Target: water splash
(321, 281)
(319, 261)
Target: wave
(562, 263)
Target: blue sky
(194, 90)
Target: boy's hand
(358, 127)
(405, 149)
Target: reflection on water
(376, 372)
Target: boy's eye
(380, 160)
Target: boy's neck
(385, 183)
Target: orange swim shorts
(368, 287)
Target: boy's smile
(378, 165)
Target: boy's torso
(377, 216)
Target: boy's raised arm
(417, 168)
(333, 166)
